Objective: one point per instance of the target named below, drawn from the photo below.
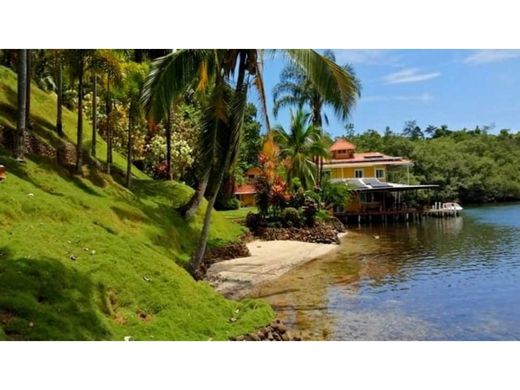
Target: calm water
(451, 279)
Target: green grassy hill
(84, 258)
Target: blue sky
(460, 88)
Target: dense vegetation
(95, 249)
(82, 257)
(468, 165)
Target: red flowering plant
(279, 196)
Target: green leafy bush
(229, 203)
(291, 217)
(255, 221)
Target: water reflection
(441, 279)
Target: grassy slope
(124, 280)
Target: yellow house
(367, 175)
(347, 164)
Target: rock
(281, 328)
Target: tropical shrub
(335, 194)
(291, 217)
(254, 221)
(263, 195)
(227, 203)
(310, 209)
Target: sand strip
(269, 260)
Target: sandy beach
(269, 260)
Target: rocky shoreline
(275, 331)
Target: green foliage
(302, 144)
(263, 195)
(335, 194)
(230, 203)
(291, 217)
(83, 258)
(469, 165)
(254, 221)
(311, 206)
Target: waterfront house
(367, 176)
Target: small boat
(452, 206)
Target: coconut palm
(22, 104)
(297, 89)
(299, 146)
(108, 62)
(174, 74)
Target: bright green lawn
(125, 279)
(239, 214)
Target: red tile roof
(342, 144)
(245, 189)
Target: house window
(380, 173)
(358, 173)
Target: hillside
(83, 258)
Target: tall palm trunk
(196, 260)
(169, 174)
(79, 148)
(22, 95)
(28, 91)
(94, 116)
(193, 205)
(109, 131)
(129, 149)
(59, 114)
(317, 123)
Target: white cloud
(368, 56)
(424, 98)
(488, 56)
(411, 75)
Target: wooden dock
(395, 215)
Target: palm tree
(79, 142)
(296, 88)
(110, 63)
(28, 90)
(129, 94)
(59, 91)
(299, 146)
(22, 104)
(94, 115)
(173, 74)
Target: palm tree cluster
(219, 81)
(221, 77)
(297, 89)
(300, 147)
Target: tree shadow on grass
(45, 300)
(20, 170)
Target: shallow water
(439, 279)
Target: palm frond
(172, 75)
(259, 84)
(338, 86)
